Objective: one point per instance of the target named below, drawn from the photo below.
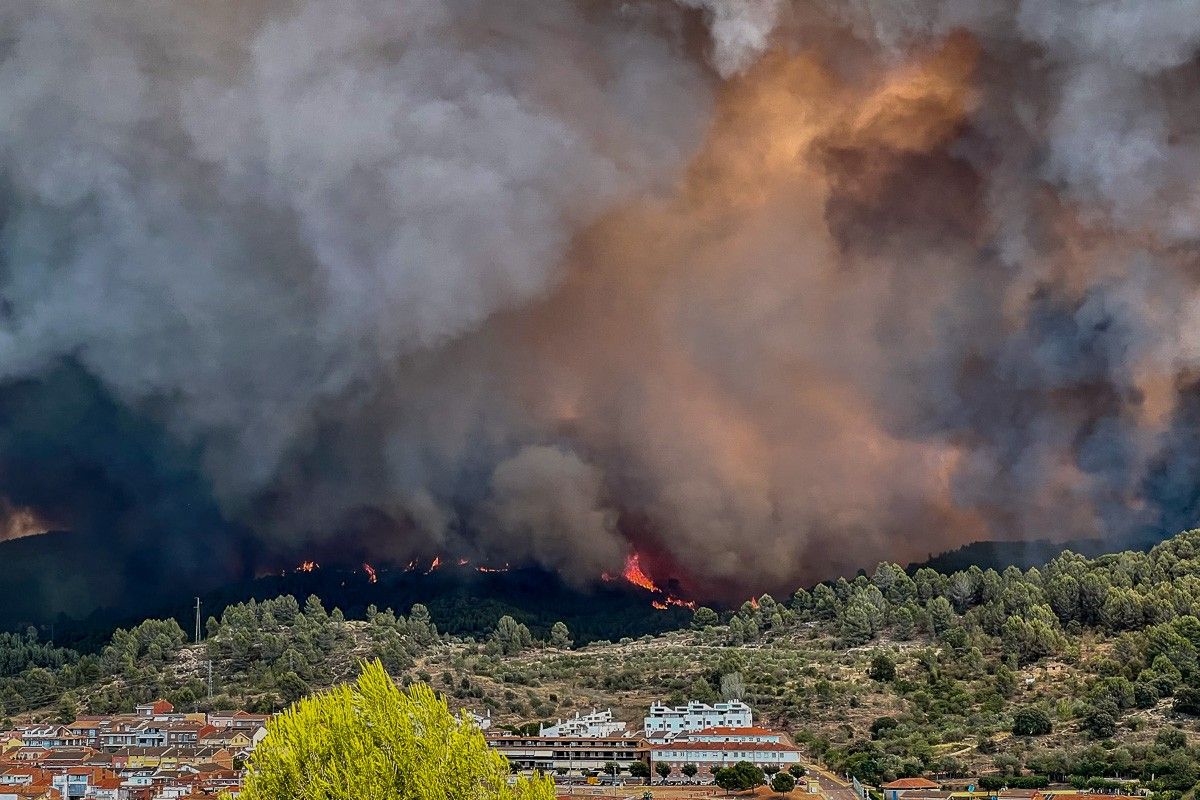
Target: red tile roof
(911, 783)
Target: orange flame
(462, 562)
(437, 562)
(308, 566)
(493, 569)
(633, 573)
(754, 603)
(371, 576)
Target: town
(160, 753)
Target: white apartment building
(669, 721)
(596, 725)
(709, 756)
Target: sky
(764, 291)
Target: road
(832, 787)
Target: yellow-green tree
(373, 741)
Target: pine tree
(372, 739)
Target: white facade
(697, 716)
(715, 748)
(595, 725)
(481, 721)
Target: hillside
(71, 596)
(884, 676)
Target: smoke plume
(764, 290)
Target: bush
(742, 775)
(783, 783)
(882, 668)
(1187, 701)
(1031, 721)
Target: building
(714, 748)
(901, 787)
(238, 719)
(159, 708)
(571, 755)
(595, 725)
(35, 792)
(669, 721)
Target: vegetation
(742, 775)
(1081, 670)
(372, 739)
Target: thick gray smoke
(763, 289)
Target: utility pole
(197, 620)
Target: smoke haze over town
(763, 291)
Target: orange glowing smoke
(308, 566)
(371, 576)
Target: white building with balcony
(667, 722)
(596, 725)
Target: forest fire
(308, 566)
(634, 574)
(371, 575)
(437, 562)
(490, 570)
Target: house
(20, 775)
(238, 719)
(35, 792)
(901, 787)
(85, 782)
(51, 736)
(156, 709)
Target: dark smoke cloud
(765, 290)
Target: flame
(636, 575)
(412, 565)
(371, 576)
(437, 562)
(462, 562)
(308, 566)
(754, 603)
(505, 568)
(633, 573)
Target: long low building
(575, 755)
(714, 748)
